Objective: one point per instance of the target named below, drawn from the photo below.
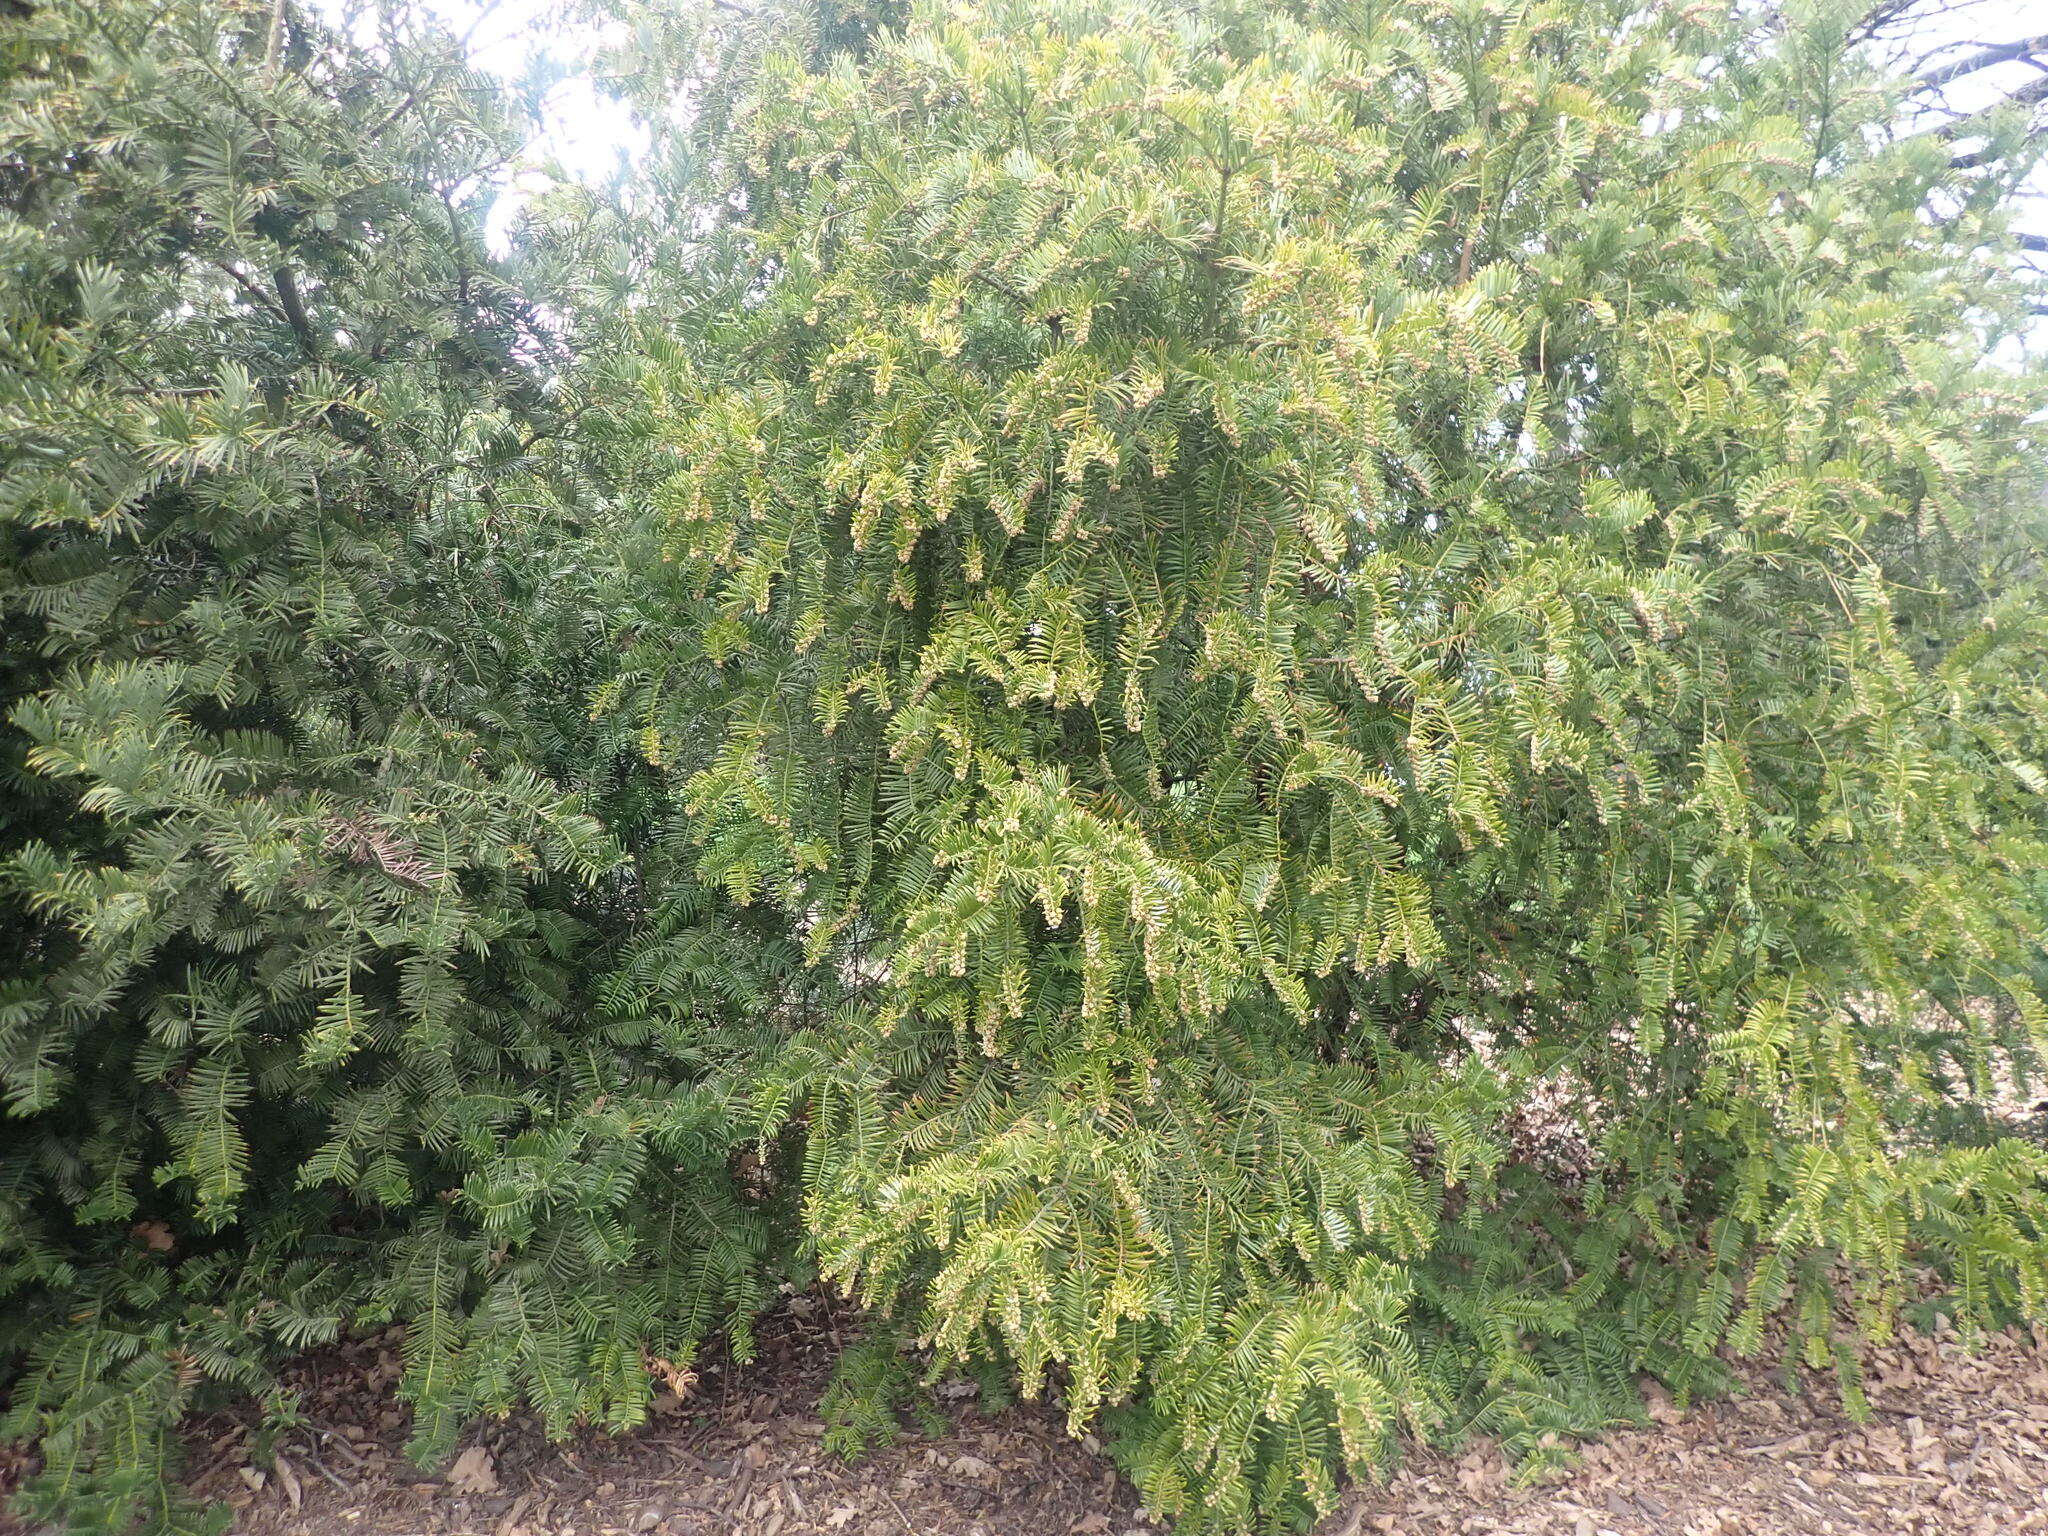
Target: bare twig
(899, 1511)
(295, 311)
(1963, 1477)
(1984, 58)
(483, 14)
(1878, 17)
(334, 1440)
(256, 295)
(313, 1461)
(406, 101)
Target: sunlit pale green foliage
(1286, 576)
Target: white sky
(583, 131)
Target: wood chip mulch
(1958, 1445)
(740, 1454)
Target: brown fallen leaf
(473, 1472)
(1662, 1408)
(679, 1379)
(1475, 1475)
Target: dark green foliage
(872, 1386)
(311, 1003)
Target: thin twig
(257, 295)
(899, 1511)
(1985, 58)
(313, 1461)
(335, 1440)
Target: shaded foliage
(312, 1010)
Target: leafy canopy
(1315, 721)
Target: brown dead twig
(362, 840)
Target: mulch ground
(1958, 1444)
(740, 1454)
